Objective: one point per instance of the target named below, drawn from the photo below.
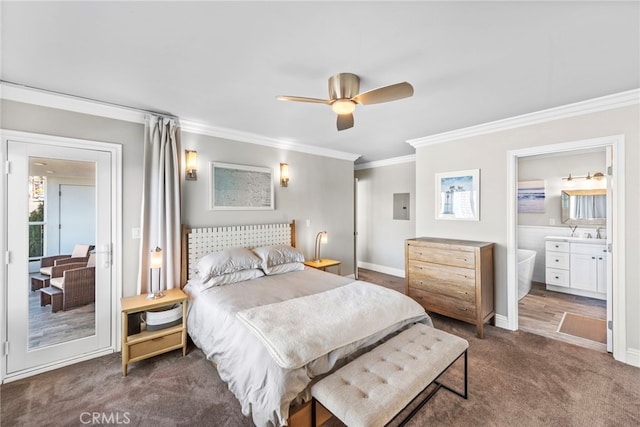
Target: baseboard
(502, 322)
(382, 269)
(633, 357)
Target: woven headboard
(197, 242)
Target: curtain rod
(83, 98)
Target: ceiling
(222, 64)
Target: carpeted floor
(515, 379)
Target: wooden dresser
(452, 277)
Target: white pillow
(225, 262)
(283, 268)
(236, 276)
(276, 255)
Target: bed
(272, 326)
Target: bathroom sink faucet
(598, 233)
(573, 230)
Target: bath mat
(584, 327)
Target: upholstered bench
(372, 389)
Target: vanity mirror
(584, 207)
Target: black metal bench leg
(438, 386)
(465, 394)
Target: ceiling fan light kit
(343, 106)
(344, 95)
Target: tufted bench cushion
(371, 390)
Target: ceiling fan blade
(384, 94)
(345, 121)
(303, 99)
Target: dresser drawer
(556, 246)
(442, 256)
(446, 305)
(557, 277)
(145, 348)
(443, 280)
(557, 260)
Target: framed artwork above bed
(240, 187)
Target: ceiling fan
(343, 96)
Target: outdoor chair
(77, 281)
(80, 254)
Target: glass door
(59, 283)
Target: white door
(25, 312)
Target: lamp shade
(191, 165)
(284, 174)
(155, 258)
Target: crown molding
(386, 162)
(252, 138)
(608, 102)
(28, 95)
(59, 101)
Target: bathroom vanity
(576, 265)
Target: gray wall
(551, 169)
(49, 121)
(320, 190)
(380, 237)
(489, 154)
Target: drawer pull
(463, 309)
(557, 277)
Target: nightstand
(323, 264)
(147, 344)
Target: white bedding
(264, 389)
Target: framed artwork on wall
(458, 195)
(240, 187)
(531, 196)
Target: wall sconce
(284, 175)
(155, 263)
(321, 238)
(191, 161)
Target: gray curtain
(160, 214)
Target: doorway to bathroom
(543, 173)
(551, 301)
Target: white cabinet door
(584, 272)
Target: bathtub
(526, 260)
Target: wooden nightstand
(323, 264)
(151, 343)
